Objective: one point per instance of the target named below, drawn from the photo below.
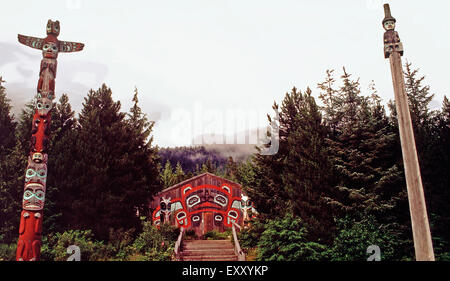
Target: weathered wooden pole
(30, 229)
(393, 49)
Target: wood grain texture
(419, 218)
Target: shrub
(249, 236)
(54, 246)
(353, 238)
(154, 244)
(8, 252)
(285, 240)
(216, 235)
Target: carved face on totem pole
(38, 157)
(389, 25)
(165, 209)
(33, 197)
(53, 28)
(43, 105)
(36, 172)
(50, 50)
(390, 38)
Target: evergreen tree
(7, 124)
(296, 179)
(438, 192)
(231, 169)
(10, 167)
(179, 173)
(62, 140)
(167, 176)
(113, 173)
(331, 99)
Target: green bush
(353, 238)
(154, 244)
(285, 240)
(8, 252)
(121, 240)
(54, 246)
(216, 235)
(249, 236)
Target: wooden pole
(30, 228)
(417, 206)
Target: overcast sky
(229, 59)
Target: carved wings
(66, 46)
(32, 42)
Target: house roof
(194, 178)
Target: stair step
(208, 251)
(207, 246)
(210, 258)
(201, 242)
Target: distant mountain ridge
(191, 158)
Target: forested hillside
(335, 186)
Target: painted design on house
(187, 210)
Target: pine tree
(113, 173)
(179, 173)
(167, 176)
(367, 172)
(331, 99)
(231, 169)
(295, 180)
(437, 192)
(11, 166)
(7, 124)
(62, 140)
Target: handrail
(237, 248)
(178, 244)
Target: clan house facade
(203, 203)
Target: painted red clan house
(203, 203)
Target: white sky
(223, 56)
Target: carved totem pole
(30, 230)
(393, 49)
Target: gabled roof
(194, 178)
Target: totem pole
(165, 209)
(393, 49)
(30, 230)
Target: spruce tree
(167, 176)
(7, 124)
(296, 179)
(113, 172)
(11, 168)
(179, 173)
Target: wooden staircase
(207, 250)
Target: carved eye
(42, 173)
(40, 195)
(39, 105)
(47, 106)
(30, 173)
(27, 194)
